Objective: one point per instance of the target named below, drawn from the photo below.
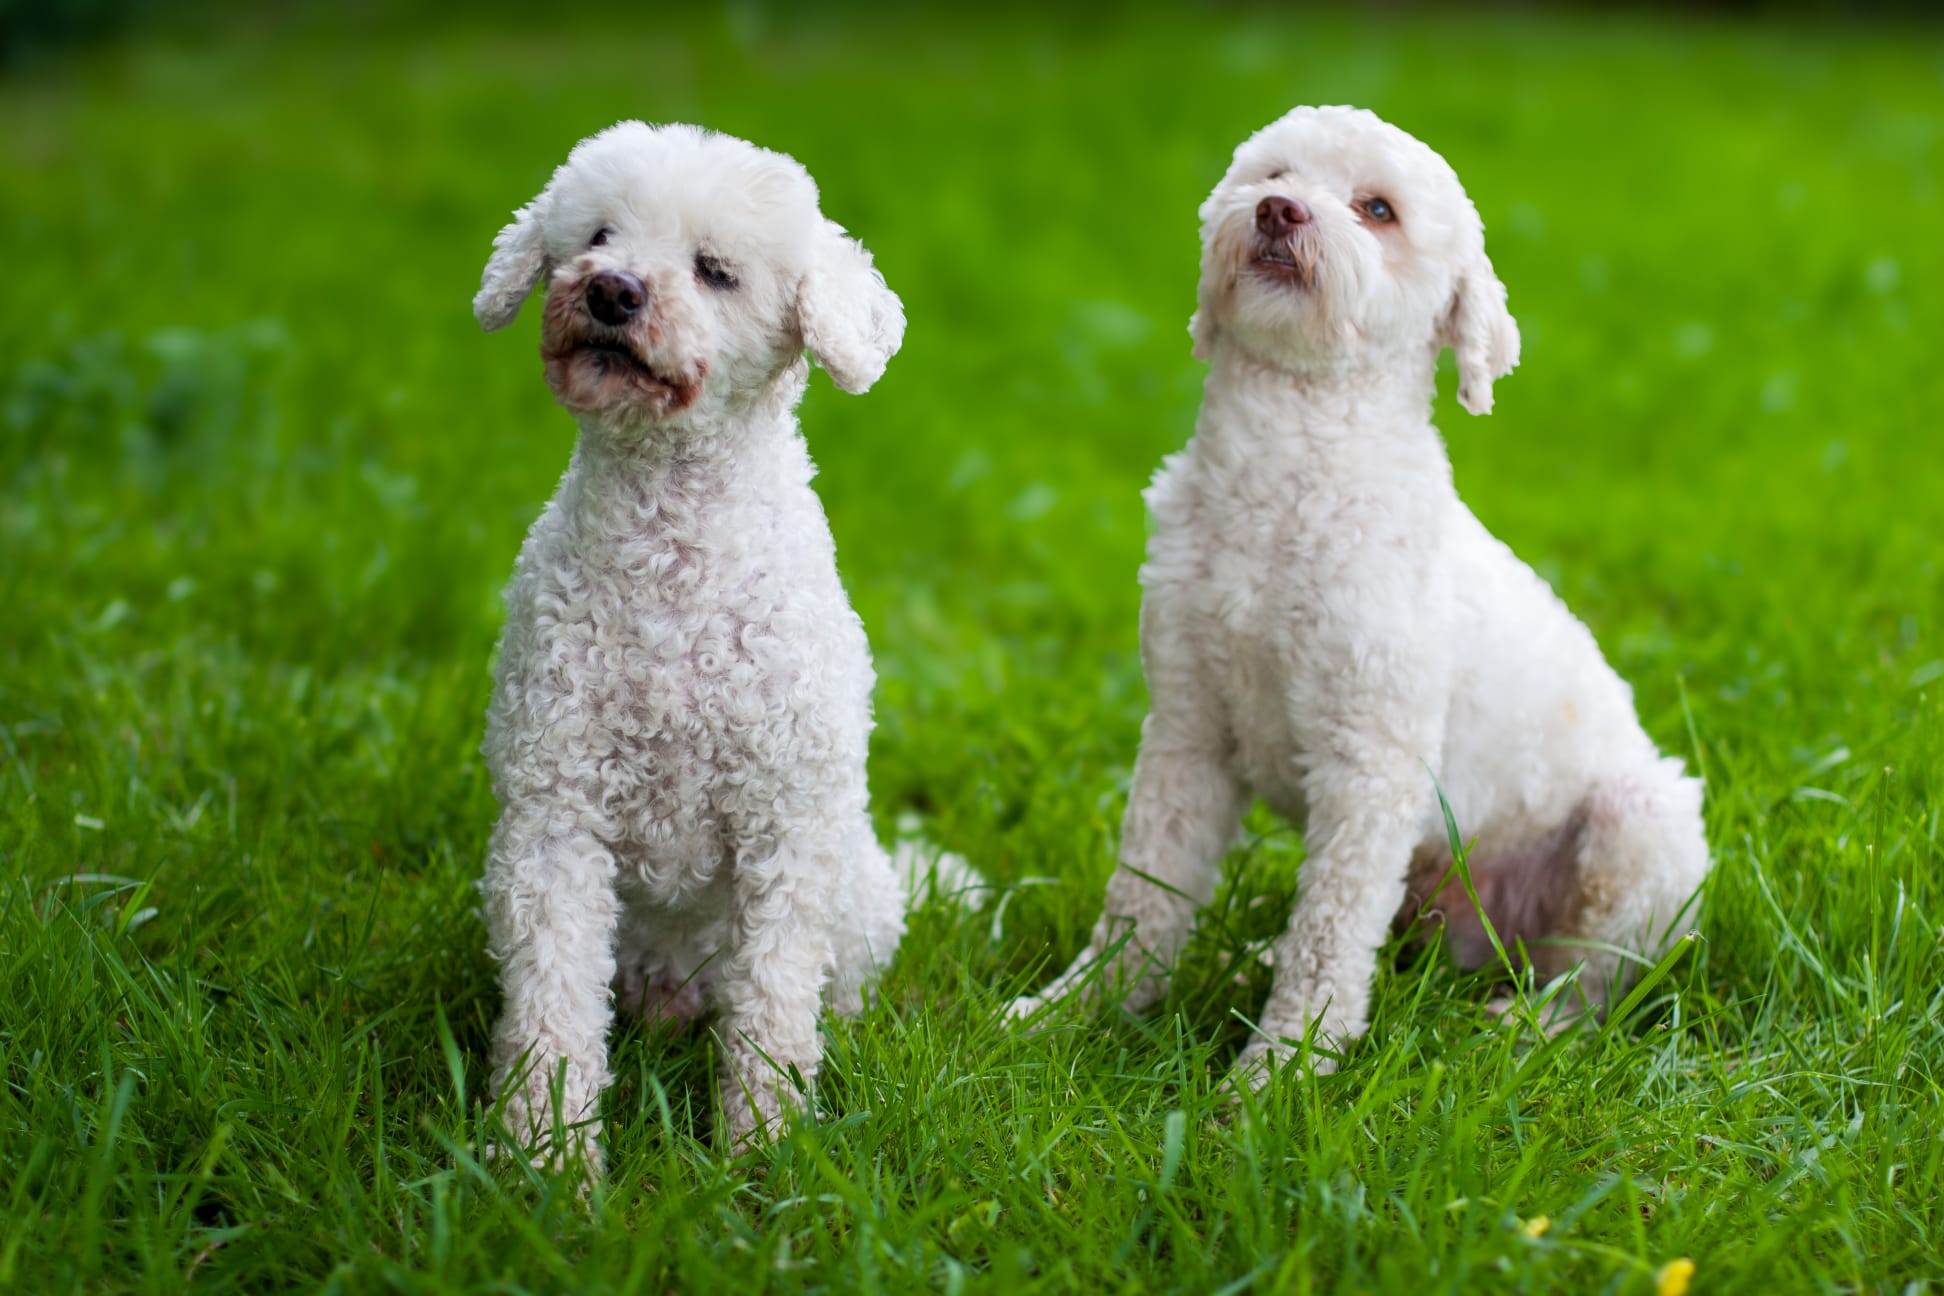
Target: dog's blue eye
(713, 272)
(600, 237)
(1379, 210)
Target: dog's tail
(930, 873)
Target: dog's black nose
(1277, 216)
(614, 296)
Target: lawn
(262, 477)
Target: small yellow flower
(1671, 1279)
(1537, 1226)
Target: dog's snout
(1277, 216)
(614, 296)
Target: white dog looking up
(1324, 624)
(681, 708)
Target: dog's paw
(1252, 1069)
(1554, 1018)
(581, 1155)
(756, 1116)
(1025, 1008)
(1259, 1063)
(745, 1129)
(527, 1117)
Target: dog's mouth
(619, 357)
(603, 375)
(1286, 261)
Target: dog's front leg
(1181, 814)
(770, 991)
(551, 912)
(1363, 822)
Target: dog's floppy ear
(852, 323)
(1480, 332)
(519, 259)
(1201, 332)
(1219, 258)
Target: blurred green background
(261, 479)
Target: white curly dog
(681, 708)
(1326, 625)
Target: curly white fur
(681, 708)
(1326, 625)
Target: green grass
(261, 479)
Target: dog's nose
(1276, 215)
(614, 296)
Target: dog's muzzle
(1286, 247)
(594, 341)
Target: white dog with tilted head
(681, 709)
(1324, 624)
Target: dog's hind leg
(1642, 858)
(1608, 888)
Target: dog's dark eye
(714, 272)
(1378, 210)
(601, 236)
(1277, 175)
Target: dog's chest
(1254, 666)
(1249, 570)
(657, 676)
(700, 657)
